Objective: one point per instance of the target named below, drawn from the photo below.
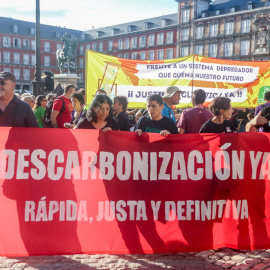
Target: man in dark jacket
(13, 111)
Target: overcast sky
(85, 14)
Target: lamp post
(38, 84)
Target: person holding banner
(155, 122)
(220, 123)
(171, 97)
(99, 115)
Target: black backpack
(47, 117)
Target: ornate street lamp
(38, 84)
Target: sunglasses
(2, 83)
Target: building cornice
(131, 34)
(248, 12)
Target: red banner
(83, 191)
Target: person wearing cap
(170, 98)
(191, 120)
(13, 111)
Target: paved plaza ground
(223, 258)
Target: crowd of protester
(69, 111)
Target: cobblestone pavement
(223, 258)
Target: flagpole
(38, 84)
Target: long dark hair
(96, 103)
(38, 101)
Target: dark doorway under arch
(47, 76)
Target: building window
(213, 50)
(152, 55)
(199, 49)
(17, 73)
(120, 44)
(131, 28)
(113, 31)
(185, 15)
(94, 47)
(16, 58)
(148, 25)
(80, 76)
(169, 38)
(151, 40)
(15, 28)
(26, 74)
(6, 41)
(213, 30)
(169, 53)
(245, 26)
(134, 42)
(58, 46)
(134, 55)
(26, 59)
(110, 46)
(163, 22)
(47, 61)
(203, 14)
(160, 39)
(120, 55)
(245, 46)
(199, 32)
(87, 46)
(185, 34)
(100, 46)
(81, 49)
(160, 54)
(232, 9)
(126, 43)
(47, 46)
(142, 41)
(33, 45)
(142, 55)
(26, 44)
(100, 34)
(32, 31)
(7, 69)
(33, 59)
(218, 12)
(126, 55)
(81, 63)
(184, 51)
(17, 43)
(228, 49)
(229, 28)
(249, 6)
(6, 56)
